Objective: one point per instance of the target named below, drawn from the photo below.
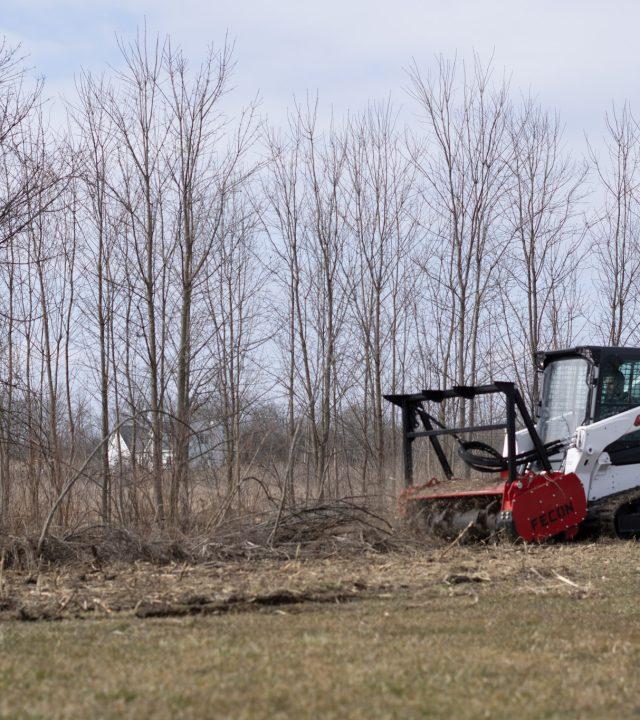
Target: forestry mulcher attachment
(576, 469)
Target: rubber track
(601, 513)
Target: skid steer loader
(576, 469)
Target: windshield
(565, 393)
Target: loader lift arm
(412, 410)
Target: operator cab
(585, 384)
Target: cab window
(620, 391)
(619, 388)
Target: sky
(577, 57)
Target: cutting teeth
(447, 518)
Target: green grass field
(509, 633)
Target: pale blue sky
(576, 56)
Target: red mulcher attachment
(533, 505)
(545, 505)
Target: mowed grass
(537, 647)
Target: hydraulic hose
(484, 458)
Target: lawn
(516, 632)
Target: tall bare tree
(464, 171)
(142, 131)
(306, 197)
(96, 147)
(616, 233)
(382, 222)
(543, 264)
(207, 174)
(240, 328)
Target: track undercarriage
(614, 516)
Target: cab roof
(595, 353)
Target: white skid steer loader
(575, 470)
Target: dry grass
(504, 631)
(325, 527)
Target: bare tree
(50, 254)
(615, 234)
(240, 328)
(308, 236)
(284, 190)
(22, 171)
(381, 220)
(206, 174)
(96, 146)
(465, 171)
(542, 267)
(142, 131)
(26, 182)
